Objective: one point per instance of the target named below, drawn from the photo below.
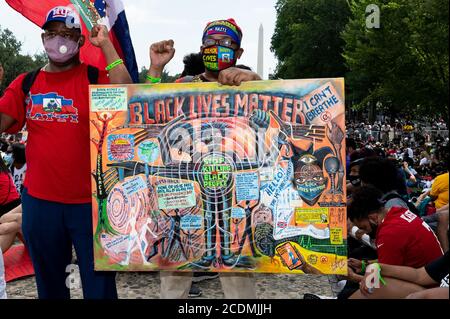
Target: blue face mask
(373, 233)
(310, 192)
(310, 183)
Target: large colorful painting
(203, 177)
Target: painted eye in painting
(308, 159)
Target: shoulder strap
(30, 78)
(93, 74)
(392, 196)
(410, 205)
(28, 82)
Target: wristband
(152, 79)
(114, 64)
(354, 230)
(378, 267)
(366, 239)
(363, 266)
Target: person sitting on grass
(401, 237)
(429, 282)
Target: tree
(404, 63)
(429, 46)
(103, 224)
(13, 62)
(307, 39)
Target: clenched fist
(161, 53)
(99, 36)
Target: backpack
(30, 78)
(410, 205)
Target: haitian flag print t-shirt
(57, 119)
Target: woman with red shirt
(9, 197)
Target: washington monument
(260, 69)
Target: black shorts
(349, 289)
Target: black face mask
(355, 180)
(373, 233)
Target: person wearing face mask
(353, 230)
(401, 237)
(221, 48)
(8, 156)
(356, 159)
(360, 245)
(353, 177)
(53, 103)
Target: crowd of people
(399, 131)
(397, 215)
(397, 178)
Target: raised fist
(99, 36)
(161, 53)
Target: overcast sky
(180, 20)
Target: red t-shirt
(8, 191)
(404, 239)
(57, 120)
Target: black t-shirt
(439, 269)
(195, 79)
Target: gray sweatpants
(176, 285)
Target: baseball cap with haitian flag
(225, 27)
(63, 14)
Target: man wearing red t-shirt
(57, 192)
(404, 239)
(401, 237)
